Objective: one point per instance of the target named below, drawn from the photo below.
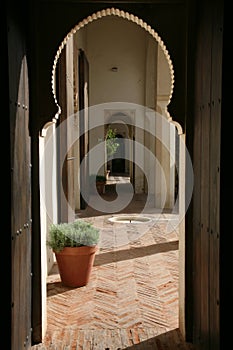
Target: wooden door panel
(21, 194)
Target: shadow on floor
(134, 252)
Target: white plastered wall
(48, 207)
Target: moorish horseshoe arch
(134, 19)
(182, 153)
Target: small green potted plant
(112, 145)
(74, 245)
(111, 142)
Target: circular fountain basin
(130, 219)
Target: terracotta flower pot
(75, 265)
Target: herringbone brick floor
(131, 301)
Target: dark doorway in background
(118, 163)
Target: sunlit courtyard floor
(131, 300)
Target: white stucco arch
(129, 17)
(155, 36)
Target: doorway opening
(147, 154)
(118, 163)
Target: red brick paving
(131, 301)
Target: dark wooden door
(206, 212)
(21, 191)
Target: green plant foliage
(75, 234)
(93, 178)
(100, 178)
(111, 142)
